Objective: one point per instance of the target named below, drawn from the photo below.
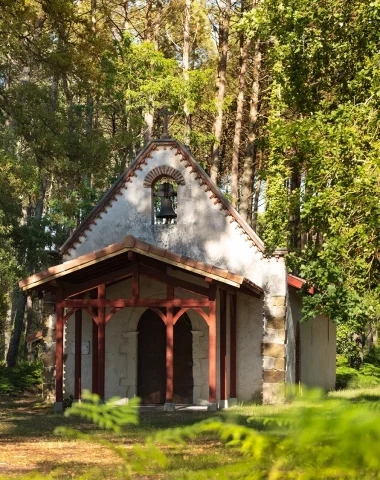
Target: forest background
(277, 100)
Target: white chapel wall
(249, 332)
(318, 347)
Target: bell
(165, 190)
(166, 210)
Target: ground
(28, 443)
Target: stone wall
(273, 348)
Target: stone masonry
(273, 349)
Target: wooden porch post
(233, 346)
(169, 352)
(95, 355)
(78, 355)
(223, 345)
(169, 355)
(59, 354)
(101, 342)
(212, 346)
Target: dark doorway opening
(183, 361)
(151, 367)
(151, 363)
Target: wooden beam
(59, 348)
(223, 344)
(212, 346)
(101, 341)
(129, 302)
(71, 289)
(78, 355)
(169, 355)
(232, 346)
(174, 281)
(94, 347)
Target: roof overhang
(298, 283)
(131, 244)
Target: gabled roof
(130, 243)
(216, 196)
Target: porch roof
(131, 244)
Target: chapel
(166, 293)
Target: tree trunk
(259, 163)
(20, 299)
(249, 160)
(18, 323)
(185, 61)
(28, 322)
(224, 27)
(245, 42)
(153, 18)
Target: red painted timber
(130, 302)
(59, 352)
(94, 356)
(212, 346)
(78, 355)
(233, 346)
(169, 354)
(223, 344)
(101, 342)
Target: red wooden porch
(80, 285)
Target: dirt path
(27, 443)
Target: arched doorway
(151, 364)
(183, 361)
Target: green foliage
(373, 356)
(316, 438)
(323, 170)
(25, 376)
(367, 374)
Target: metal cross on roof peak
(165, 113)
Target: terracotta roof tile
(142, 245)
(234, 277)
(129, 241)
(174, 257)
(220, 272)
(157, 250)
(189, 262)
(204, 266)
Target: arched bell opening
(164, 201)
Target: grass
(28, 443)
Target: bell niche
(164, 202)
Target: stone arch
(163, 171)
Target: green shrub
(367, 376)
(373, 356)
(317, 439)
(22, 377)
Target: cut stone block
(274, 376)
(273, 350)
